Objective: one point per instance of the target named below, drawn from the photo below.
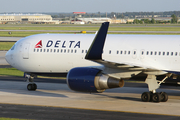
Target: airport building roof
(30, 18)
(22, 14)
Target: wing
(118, 70)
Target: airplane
(96, 62)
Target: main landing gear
(153, 96)
(31, 86)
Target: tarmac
(2, 58)
(9, 39)
(126, 99)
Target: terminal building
(28, 18)
(97, 20)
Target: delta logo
(59, 43)
(39, 44)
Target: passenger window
(151, 53)
(47, 50)
(40, 50)
(68, 50)
(124, 52)
(142, 52)
(82, 51)
(34, 50)
(110, 52)
(159, 53)
(121, 52)
(175, 53)
(37, 50)
(155, 53)
(163, 53)
(134, 52)
(54, 50)
(75, 51)
(64, 50)
(51, 50)
(117, 52)
(147, 52)
(129, 52)
(71, 51)
(171, 53)
(44, 50)
(86, 51)
(61, 50)
(58, 50)
(167, 53)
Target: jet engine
(86, 79)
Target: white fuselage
(61, 52)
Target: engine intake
(91, 80)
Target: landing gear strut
(31, 86)
(153, 95)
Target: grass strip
(6, 45)
(93, 28)
(11, 72)
(18, 73)
(24, 34)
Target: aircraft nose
(8, 57)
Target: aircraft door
(142, 54)
(26, 51)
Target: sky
(89, 6)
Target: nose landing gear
(31, 86)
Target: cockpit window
(13, 47)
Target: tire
(32, 87)
(146, 97)
(29, 87)
(156, 97)
(35, 86)
(164, 96)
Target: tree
(146, 21)
(54, 16)
(136, 21)
(99, 14)
(153, 21)
(122, 16)
(174, 19)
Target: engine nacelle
(91, 80)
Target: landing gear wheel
(29, 86)
(146, 97)
(35, 86)
(32, 87)
(164, 96)
(156, 97)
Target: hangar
(30, 18)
